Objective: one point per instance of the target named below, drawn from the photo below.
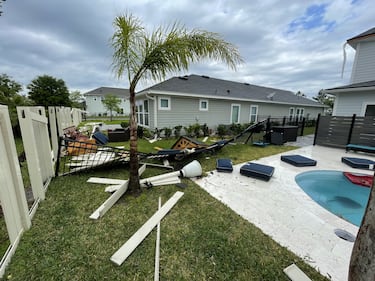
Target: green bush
(177, 131)
(221, 130)
(189, 131)
(124, 124)
(167, 132)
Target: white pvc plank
(106, 181)
(112, 188)
(99, 212)
(157, 248)
(126, 249)
(113, 198)
(295, 273)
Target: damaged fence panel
(126, 249)
(12, 192)
(35, 137)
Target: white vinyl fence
(40, 163)
(36, 142)
(12, 192)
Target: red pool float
(360, 179)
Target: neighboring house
(359, 96)
(94, 104)
(201, 99)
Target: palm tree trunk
(134, 185)
(362, 262)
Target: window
(164, 103)
(235, 113)
(253, 113)
(203, 105)
(142, 112)
(299, 113)
(291, 113)
(370, 110)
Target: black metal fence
(338, 131)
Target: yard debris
(126, 249)
(122, 187)
(295, 273)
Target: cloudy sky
(291, 44)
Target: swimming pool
(334, 192)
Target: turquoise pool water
(333, 191)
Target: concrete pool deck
(282, 210)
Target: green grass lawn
(201, 238)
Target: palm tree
(141, 55)
(362, 261)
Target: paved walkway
(283, 211)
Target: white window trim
(256, 115)
(301, 113)
(169, 103)
(143, 113)
(231, 113)
(200, 105)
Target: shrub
(124, 124)
(205, 130)
(196, 130)
(167, 132)
(177, 131)
(189, 130)
(221, 130)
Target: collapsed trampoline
(75, 155)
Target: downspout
(155, 109)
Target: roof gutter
(347, 90)
(224, 98)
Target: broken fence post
(126, 249)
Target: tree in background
(1, 6)
(76, 99)
(48, 91)
(300, 94)
(325, 98)
(142, 55)
(9, 95)
(111, 103)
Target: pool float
(360, 179)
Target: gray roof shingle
(367, 35)
(103, 91)
(366, 84)
(196, 85)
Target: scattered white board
(126, 249)
(295, 273)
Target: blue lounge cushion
(298, 160)
(100, 138)
(359, 163)
(258, 171)
(224, 165)
(362, 148)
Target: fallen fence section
(125, 251)
(12, 192)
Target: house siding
(95, 106)
(364, 63)
(185, 112)
(347, 104)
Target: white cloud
(70, 39)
